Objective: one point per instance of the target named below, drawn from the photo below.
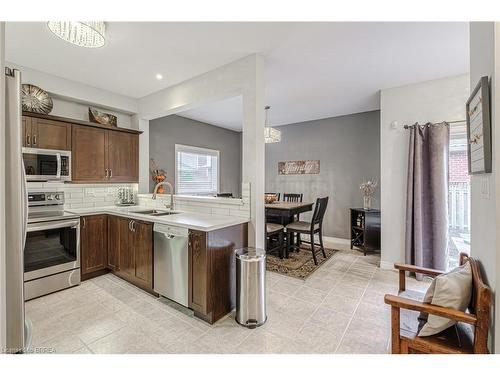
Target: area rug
(299, 265)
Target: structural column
(253, 149)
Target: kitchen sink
(156, 212)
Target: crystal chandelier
(271, 135)
(89, 34)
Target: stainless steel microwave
(47, 165)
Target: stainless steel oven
(47, 165)
(52, 248)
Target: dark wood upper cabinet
(123, 156)
(101, 155)
(44, 133)
(26, 129)
(93, 243)
(89, 154)
(50, 134)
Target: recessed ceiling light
(159, 77)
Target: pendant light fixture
(271, 135)
(88, 34)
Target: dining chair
(303, 227)
(294, 197)
(277, 195)
(273, 218)
(275, 230)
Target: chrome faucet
(171, 205)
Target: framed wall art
(298, 167)
(479, 128)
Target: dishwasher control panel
(176, 231)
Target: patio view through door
(458, 195)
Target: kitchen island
(120, 240)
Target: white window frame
(197, 150)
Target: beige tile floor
(338, 309)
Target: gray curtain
(427, 196)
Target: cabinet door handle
(28, 140)
(133, 225)
(130, 225)
(106, 172)
(110, 173)
(34, 140)
(84, 223)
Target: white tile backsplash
(101, 195)
(207, 205)
(82, 195)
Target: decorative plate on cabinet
(35, 99)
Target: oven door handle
(58, 157)
(53, 225)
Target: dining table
(284, 213)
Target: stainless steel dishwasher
(171, 262)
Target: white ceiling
(313, 70)
(226, 113)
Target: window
(196, 170)
(458, 195)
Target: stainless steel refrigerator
(16, 212)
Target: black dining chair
(303, 227)
(294, 197)
(277, 195)
(273, 232)
(274, 218)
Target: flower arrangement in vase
(367, 189)
(157, 175)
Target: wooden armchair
(468, 336)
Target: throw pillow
(453, 290)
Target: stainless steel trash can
(250, 287)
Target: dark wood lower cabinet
(198, 271)
(212, 284)
(93, 245)
(141, 243)
(126, 256)
(114, 238)
(120, 245)
(130, 249)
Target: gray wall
(484, 222)
(348, 148)
(166, 132)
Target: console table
(365, 229)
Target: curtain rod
(434, 123)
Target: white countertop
(203, 222)
(199, 198)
